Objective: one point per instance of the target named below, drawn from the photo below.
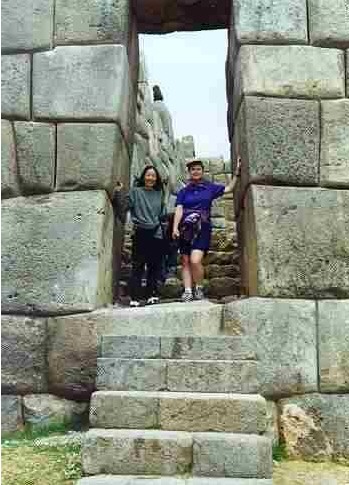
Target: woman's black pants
(147, 251)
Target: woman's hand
(175, 233)
(238, 167)
(118, 186)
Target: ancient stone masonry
(76, 120)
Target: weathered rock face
(81, 21)
(315, 426)
(42, 410)
(91, 156)
(329, 23)
(15, 86)
(56, 253)
(304, 254)
(285, 342)
(35, 145)
(279, 140)
(35, 19)
(164, 16)
(9, 171)
(23, 355)
(11, 414)
(334, 346)
(334, 164)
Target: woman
(146, 205)
(192, 225)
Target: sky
(189, 67)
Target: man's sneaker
(134, 303)
(199, 293)
(153, 300)
(187, 296)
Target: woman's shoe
(153, 300)
(187, 296)
(134, 303)
(199, 293)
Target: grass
(279, 452)
(30, 433)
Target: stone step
(142, 480)
(178, 411)
(190, 348)
(157, 452)
(177, 375)
(184, 319)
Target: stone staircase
(176, 403)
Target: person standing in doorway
(147, 209)
(192, 225)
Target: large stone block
(306, 253)
(90, 156)
(23, 355)
(316, 426)
(279, 140)
(334, 346)
(36, 156)
(57, 253)
(9, 171)
(11, 414)
(232, 455)
(42, 410)
(270, 22)
(329, 22)
(289, 71)
(15, 86)
(137, 480)
(148, 452)
(285, 342)
(89, 22)
(26, 25)
(334, 164)
(82, 83)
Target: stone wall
(288, 117)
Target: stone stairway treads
(157, 452)
(196, 318)
(177, 375)
(190, 348)
(235, 413)
(139, 480)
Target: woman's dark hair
(157, 94)
(140, 182)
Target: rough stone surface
(15, 86)
(9, 171)
(69, 237)
(129, 347)
(42, 410)
(139, 480)
(136, 451)
(212, 412)
(90, 156)
(133, 375)
(289, 71)
(216, 376)
(329, 22)
(36, 157)
(285, 342)
(347, 73)
(23, 355)
(279, 140)
(124, 409)
(100, 92)
(304, 255)
(231, 455)
(270, 22)
(26, 25)
(88, 21)
(224, 286)
(11, 414)
(334, 165)
(323, 433)
(272, 419)
(334, 345)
